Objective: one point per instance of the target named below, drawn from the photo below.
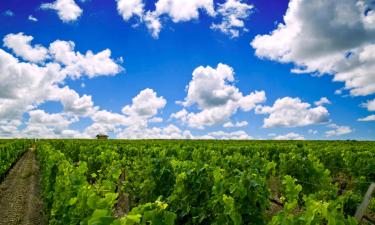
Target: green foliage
(10, 151)
(315, 211)
(203, 182)
(149, 213)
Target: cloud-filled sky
(226, 69)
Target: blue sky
(158, 69)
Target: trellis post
(361, 210)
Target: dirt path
(19, 193)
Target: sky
(188, 69)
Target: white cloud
(41, 117)
(155, 120)
(68, 133)
(67, 10)
(105, 122)
(76, 64)
(344, 46)
(338, 91)
(134, 122)
(292, 112)
(289, 136)
(180, 115)
(99, 128)
(237, 124)
(233, 13)
(24, 86)
(20, 45)
(370, 105)
(45, 125)
(311, 131)
(338, 130)
(57, 120)
(177, 10)
(216, 97)
(153, 23)
(209, 87)
(168, 132)
(182, 10)
(368, 118)
(74, 104)
(145, 105)
(322, 101)
(32, 18)
(235, 135)
(9, 128)
(211, 117)
(106, 117)
(130, 8)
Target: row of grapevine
(203, 182)
(71, 196)
(10, 151)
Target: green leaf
(73, 201)
(100, 217)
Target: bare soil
(20, 202)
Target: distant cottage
(102, 137)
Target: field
(169, 182)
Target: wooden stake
(361, 210)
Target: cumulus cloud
(289, 136)
(145, 105)
(311, 131)
(77, 64)
(216, 97)
(130, 8)
(41, 117)
(49, 125)
(177, 10)
(45, 122)
(155, 120)
(74, 104)
(180, 115)
(230, 15)
(367, 118)
(9, 128)
(235, 135)
(134, 120)
(105, 122)
(153, 23)
(20, 45)
(169, 132)
(67, 10)
(370, 105)
(26, 85)
(237, 124)
(338, 130)
(74, 63)
(233, 13)
(322, 101)
(182, 10)
(292, 112)
(326, 37)
(32, 18)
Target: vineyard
(121, 182)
